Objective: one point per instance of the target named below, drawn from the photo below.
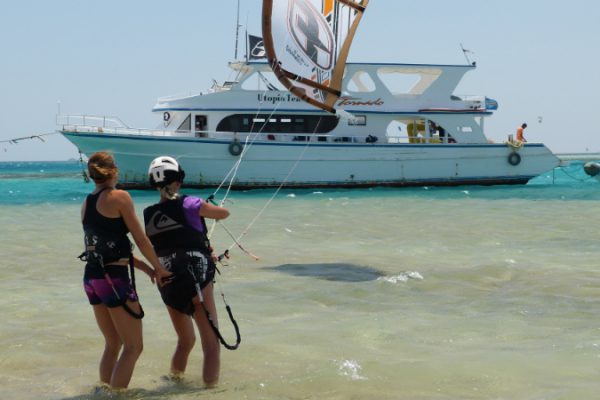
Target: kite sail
(307, 44)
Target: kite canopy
(307, 44)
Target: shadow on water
(166, 391)
(332, 272)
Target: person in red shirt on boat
(520, 131)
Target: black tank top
(104, 236)
(168, 229)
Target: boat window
(361, 82)
(398, 83)
(186, 125)
(278, 123)
(408, 81)
(359, 120)
(200, 125)
(407, 130)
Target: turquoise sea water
(421, 293)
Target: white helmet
(164, 170)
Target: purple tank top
(191, 210)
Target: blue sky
(537, 58)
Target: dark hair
(524, 125)
(102, 167)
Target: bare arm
(145, 268)
(208, 210)
(83, 209)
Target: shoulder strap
(91, 201)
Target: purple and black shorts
(112, 292)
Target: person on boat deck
(177, 229)
(520, 131)
(442, 133)
(108, 215)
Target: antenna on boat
(247, 50)
(465, 53)
(237, 30)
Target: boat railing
(216, 87)
(119, 130)
(468, 97)
(476, 101)
(279, 137)
(98, 121)
(113, 125)
(433, 139)
(172, 97)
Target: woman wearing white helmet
(176, 228)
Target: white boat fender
(514, 158)
(235, 147)
(592, 168)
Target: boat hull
(208, 162)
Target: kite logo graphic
(311, 33)
(256, 48)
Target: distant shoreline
(578, 156)
(70, 160)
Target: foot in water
(103, 388)
(175, 377)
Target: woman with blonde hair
(107, 215)
(177, 229)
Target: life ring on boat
(235, 148)
(166, 116)
(514, 158)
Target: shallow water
(427, 293)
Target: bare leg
(210, 342)
(130, 332)
(186, 339)
(112, 342)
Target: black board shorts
(188, 268)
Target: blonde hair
(170, 191)
(102, 167)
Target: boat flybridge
(396, 125)
(256, 105)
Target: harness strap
(210, 320)
(131, 312)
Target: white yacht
(307, 118)
(407, 128)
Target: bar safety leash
(209, 317)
